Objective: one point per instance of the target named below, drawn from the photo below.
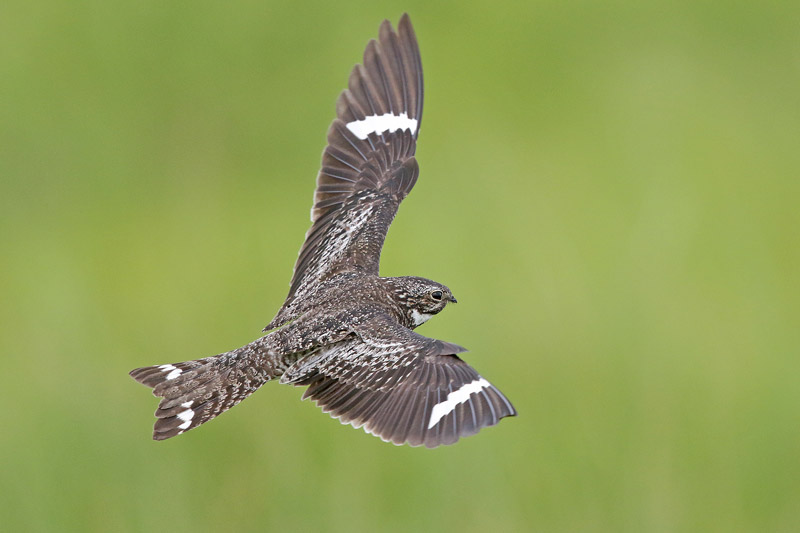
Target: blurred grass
(610, 189)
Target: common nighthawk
(343, 331)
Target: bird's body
(344, 331)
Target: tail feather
(194, 392)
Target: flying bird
(345, 332)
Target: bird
(345, 332)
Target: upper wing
(368, 166)
(401, 386)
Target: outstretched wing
(368, 166)
(400, 386)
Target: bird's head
(422, 298)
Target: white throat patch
(419, 318)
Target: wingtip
(386, 26)
(405, 25)
(448, 348)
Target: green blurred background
(609, 188)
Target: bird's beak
(453, 299)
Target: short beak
(453, 299)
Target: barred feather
(194, 392)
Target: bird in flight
(345, 332)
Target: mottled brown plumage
(344, 331)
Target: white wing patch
(381, 123)
(442, 409)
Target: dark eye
(436, 295)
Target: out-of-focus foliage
(609, 188)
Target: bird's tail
(194, 392)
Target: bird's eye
(436, 295)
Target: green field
(610, 189)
